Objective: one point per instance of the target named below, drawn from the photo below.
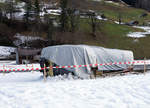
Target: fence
(36, 67)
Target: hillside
(108, 32)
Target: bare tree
(93, 22)
(28, 11)
(73, 15)
(119, 18)
(10, 8)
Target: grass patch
(111, 35)
(112, 11)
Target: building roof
(28, 52)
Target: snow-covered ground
(51, 11)
(115, 3)
(97, 0)
(28, 90)
(7, 62)
(140, 34)
(108, 1)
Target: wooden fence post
(51, 69)
(44, 72)
(144, 65)
(4, 69)
(32, 68)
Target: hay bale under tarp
(66, 55)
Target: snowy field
(28, 90)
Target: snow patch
(97, 0)
(112, 2)
(118, 22)
(100, 18)
(51, 11)
(140, 34)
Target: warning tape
(31, 68)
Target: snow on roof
(22, 39)
(5, 51)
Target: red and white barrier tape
(31, 68)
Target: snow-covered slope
(28, 90)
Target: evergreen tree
(1, 14)
(37, 20)
(28, 9)
(37, 7)
(64, 15)
(119, 18)
(50, 30)
(93, 22)
(10, 8)
(73, 18)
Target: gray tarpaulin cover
(66, 55)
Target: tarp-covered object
(66, 55)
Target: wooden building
(26, 55)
